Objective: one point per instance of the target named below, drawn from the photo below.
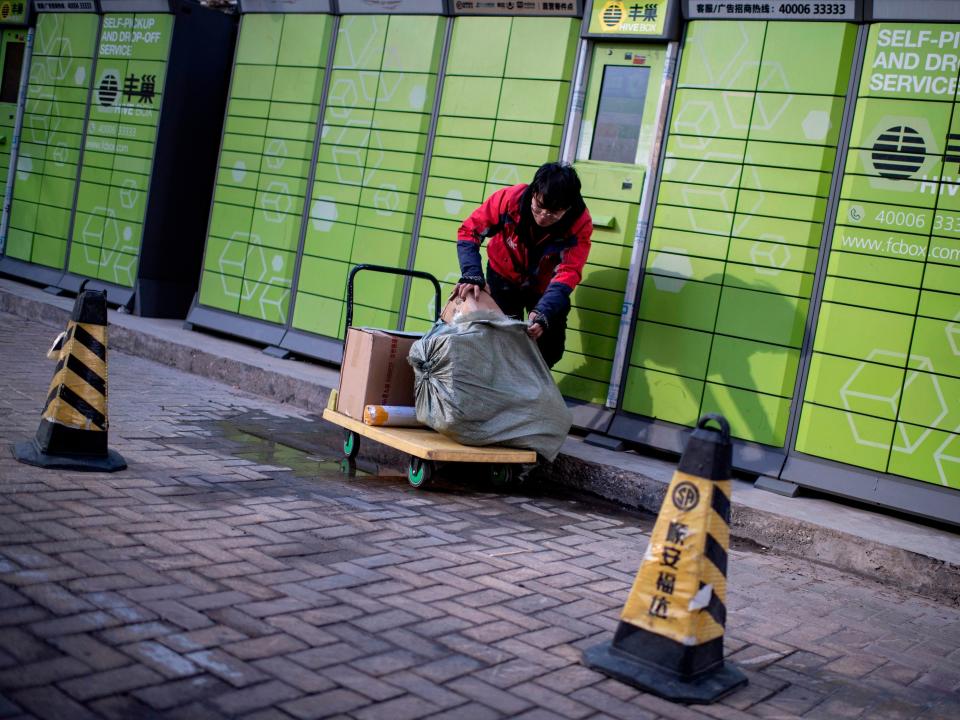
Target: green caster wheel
(351, 445)
(501, 476)
(419, 472)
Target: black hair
(558, 188)
(557, 185)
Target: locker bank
(108, 184)
(773, 186)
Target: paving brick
(240, 621)
(56, 598)
(512, 672)
(487, 694)
(121, 707)
(25, 647)
(181, 692)
(469, 711)
(50, 703)
(425, 689)
(179, 614)
(226, 667)
(321, 657)
(82, 622)
(43, 672)
(201, 639)
(165, 661)
(361, 682)
(408, 707)
(139, 631)
(385, 663)
(263, 647)
(325, 704)
(279, 606)
(444, 669)
(110, 682)
(294, 674)
(255, 697)
(90, 651)
(612, 706)
(570, 678)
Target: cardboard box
(375, 370)
(455, 306)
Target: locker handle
(3, 139)
(604, 221)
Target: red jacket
(553, 275)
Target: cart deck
(427, 447)
(428, 444)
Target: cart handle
(392, 271)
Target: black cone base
(29, 452)
(701, 689)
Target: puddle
(311, 449)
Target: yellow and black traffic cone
(670, 638)
(73, 425)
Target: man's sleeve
(474, 230)
(556, 299)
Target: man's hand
(465, 290)
(534, 329)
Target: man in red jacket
(539, 240)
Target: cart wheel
(419, 472)
(351, 445)
(348, 466)
(501, 476)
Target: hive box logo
(612, 14)
(898, 152)
(902, 154)
(109, 89)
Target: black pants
(517, 302)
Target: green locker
(264, 164)
(369, 169)
(321, 163)
(60, 76)
(97, 131)
(729, 270)
(12, 53)
(502, 107)
(882, 388)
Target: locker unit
(13, 54)
(502, 106)
(58, 90)
(280, 243)
(369, 167)
(624, 94)
(882, 395)
(741, 204)
(800, 272)
(105, 152)
(265, 165)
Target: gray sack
(482, 381)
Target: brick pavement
(223, 575)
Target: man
(539, 241)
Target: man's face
(543, 217)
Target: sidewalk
(899, 553)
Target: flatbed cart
(427, 448)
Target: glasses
(544, 213)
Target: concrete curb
(896, 552)
(900, 567)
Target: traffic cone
(73, 425)
(670, 638)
